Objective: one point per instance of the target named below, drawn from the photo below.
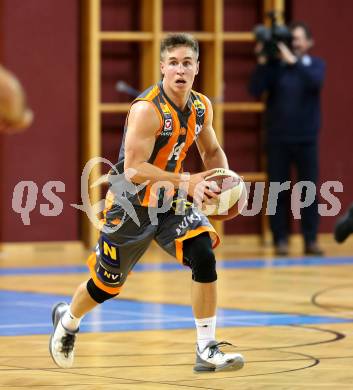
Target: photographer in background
(292, 80)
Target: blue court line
(175, 266)
(30, 313)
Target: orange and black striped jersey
(177, 132)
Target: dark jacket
(293, 98)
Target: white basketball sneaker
(62, 341)
(213, 359)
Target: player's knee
(98, 294)
(200, 257)
(204, 267)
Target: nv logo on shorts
(111, 277)
(106, 276)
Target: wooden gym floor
(292, 319)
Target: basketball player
(162, 124)
(14, 114)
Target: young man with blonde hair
(162, 124)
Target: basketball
(232, 198)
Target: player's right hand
(200, 189)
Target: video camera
(270, 36)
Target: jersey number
(175, 153)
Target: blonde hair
(179, 39)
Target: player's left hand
(285, 54)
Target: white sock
(206, 331)
(69, 321)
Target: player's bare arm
(14, 113)
(143, 125)
(209, 148)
